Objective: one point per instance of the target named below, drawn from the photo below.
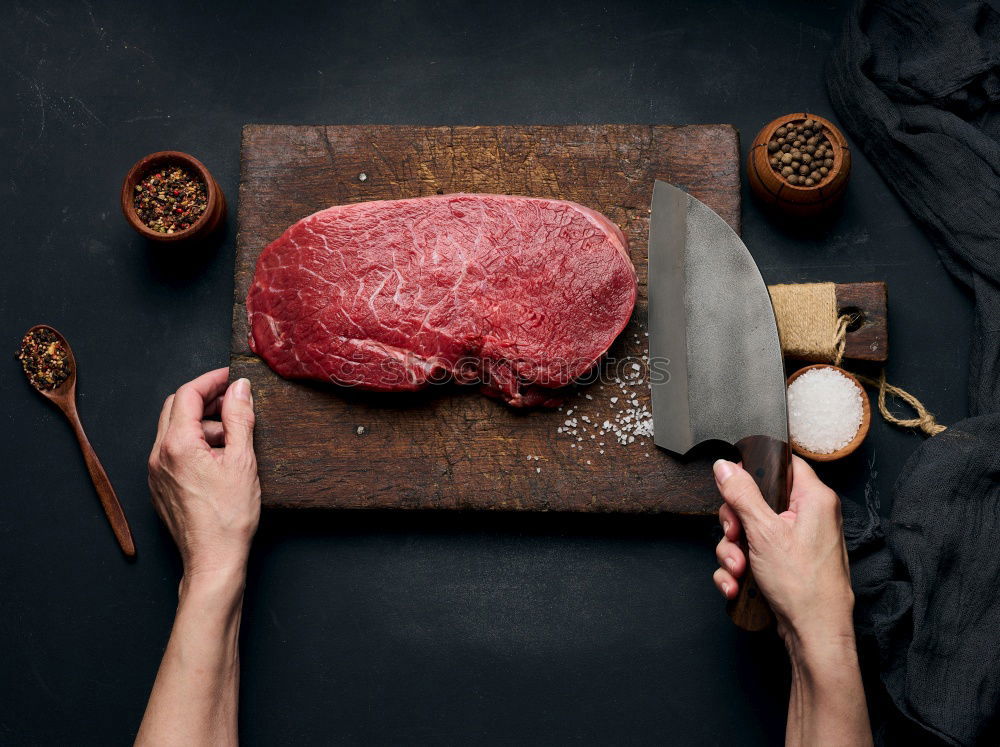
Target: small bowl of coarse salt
(828, 412)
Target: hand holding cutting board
(203, 473)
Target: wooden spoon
(64, 397)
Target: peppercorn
(170, 199)
(802, 153)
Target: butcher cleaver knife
(716, 371)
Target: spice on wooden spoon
(49, 364)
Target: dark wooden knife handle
(769, 463)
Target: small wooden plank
(450, 447)
(869, 341)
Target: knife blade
(716, 369)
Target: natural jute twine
(811, 330)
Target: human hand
(799, 558)
(203, 474)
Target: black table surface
(398, 628)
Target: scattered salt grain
(538, 469)
(629, 419)
(361, 430)
(362, 177)
(824, 410)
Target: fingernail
(723, 470)
(725, 527)
(725, 590)
(730, 564)
(241, 390)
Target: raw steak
(520, 294)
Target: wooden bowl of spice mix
(828, 412)
(170, 196)
(799, 164)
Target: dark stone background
(385, 629)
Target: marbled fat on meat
(521, 294)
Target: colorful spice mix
(170, 199)
(44, 358)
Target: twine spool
(808, 324)
(811, 329)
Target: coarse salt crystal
(824, 410)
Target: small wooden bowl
(801, 202)
(866, 419)
(209, 221)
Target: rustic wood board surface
(450, 447)
(868, 338)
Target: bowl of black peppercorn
(170, 197)
(799, 164)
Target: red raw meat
(519, 293)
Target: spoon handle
(109, 501)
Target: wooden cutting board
(450, 447)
